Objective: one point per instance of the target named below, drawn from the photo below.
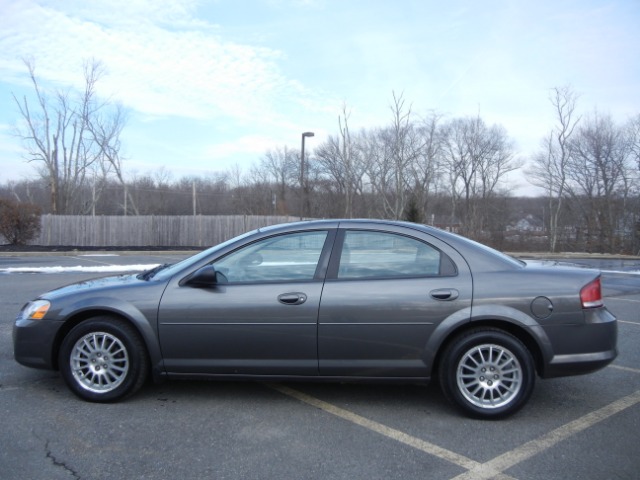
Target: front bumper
(33, 342)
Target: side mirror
(206, 276)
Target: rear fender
(518, 319)
(512, 319)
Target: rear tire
(103, 359)
(487, 373)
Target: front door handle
(446, 294)
(296, 298)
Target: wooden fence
(139, 231)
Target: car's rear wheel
(488, 373)
(103, 359)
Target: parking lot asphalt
(584, 427)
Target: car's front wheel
(487, 372)
(103, 359)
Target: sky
(209, 85)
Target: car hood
(95, 286)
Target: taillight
(591, 294)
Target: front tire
(488, 373)
(103, 359)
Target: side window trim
(334, 261)
(323, 263)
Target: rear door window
(369, 254)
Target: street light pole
(303, 189)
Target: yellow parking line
(392, 433)
(628, 322)
(492, 469)
(534, 447)
(626, 369)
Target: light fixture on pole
(303, 189)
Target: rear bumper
(583, 348)
(579, 364)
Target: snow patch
(81, 269)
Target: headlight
(36, 310)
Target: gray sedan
(342, 300)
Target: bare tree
(426, 169)
(247, 199)
(632, 215)
(106, 128)
(633, 138)
(352, 160)
(598, 174)
(405, 146)
(58, 135)
(281, 167)
(390, 152)
(339, 158)
(549, 169)
(477, 157)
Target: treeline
(517, 223)
(450, 172)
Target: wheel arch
(141, 326)
(522, 333)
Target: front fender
(144, 321)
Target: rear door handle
(292, 298)
(446, 294)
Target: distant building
(530, 223)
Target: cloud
(249, 144)
(184, 70)
(177, 13)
